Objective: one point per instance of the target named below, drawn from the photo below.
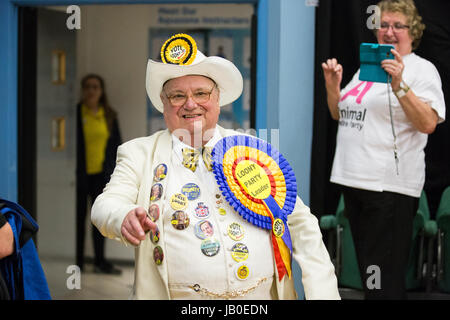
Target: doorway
(118, 52)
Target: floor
(65, 283)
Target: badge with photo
(204, 229)
(160, 172)
(180, 220)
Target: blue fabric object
(22, 271)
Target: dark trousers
(95, 187)
(381, 225)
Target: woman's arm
(332, 72)
(423, 117)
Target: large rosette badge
(258, 182)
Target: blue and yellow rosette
(258, 182)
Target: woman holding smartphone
(379, 159)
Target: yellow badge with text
(180, 49)
(253, 179)
(178, 201)
(278, 228)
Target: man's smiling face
(191, 115)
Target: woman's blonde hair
(408, 8)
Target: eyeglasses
(199, 96)
(396, 27)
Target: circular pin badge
(204, 229)
(156, 193)
(278, 228)
(239, 252)
(158, 255)
(154, 236)
(153, 212)
(235, 231)
(222, 211)
(178, 201)
(218, 195)
(180, 49)
(210, 247)
(160, 172)
(242, 271)
(201, 211)
(191, 191)
(180, 220)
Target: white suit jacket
(129, 188)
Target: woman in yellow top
(98, 137)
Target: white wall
(114, 42)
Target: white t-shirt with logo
(364, 156)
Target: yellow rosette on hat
(180, 49)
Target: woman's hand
(332, 72)
(423, 117)
(395, 69)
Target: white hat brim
(223, 72)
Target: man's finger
(149, 225)
(140, 213)
(136, 227)
(129, 237)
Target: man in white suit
(174, 260)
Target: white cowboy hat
(222, 71)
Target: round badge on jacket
(154, 236)
(278, 228)
(239, 252)
(180, 220)
(191, 191)
(178, 201)
(210, 247)
(158, 255)
(204, 229)
(202, 211)
(156, 192)
(160, 172)
(235, 231)
(153, 212)
(242, 271)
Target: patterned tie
(207, 159)
(190, 158)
